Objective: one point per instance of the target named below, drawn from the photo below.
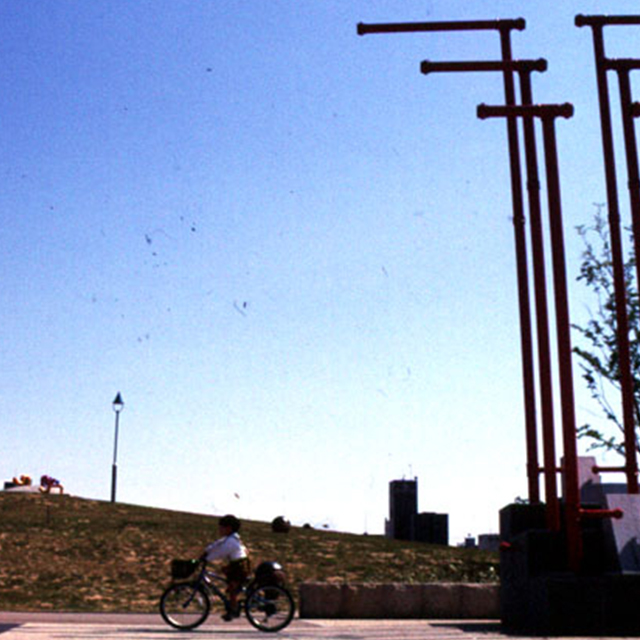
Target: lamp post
(118, 406)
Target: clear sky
(289, 251)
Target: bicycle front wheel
(269, 608)
(184, 606)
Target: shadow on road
(490, 626)
(7, 627)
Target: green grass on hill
(63, 553)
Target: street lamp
(118, 406)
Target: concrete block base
(540, 595)
(407, 601)
(577, 605)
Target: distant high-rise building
(431, 527)
(403, 505)
(405, 523)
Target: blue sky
(289, 251)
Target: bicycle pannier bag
(269, 573)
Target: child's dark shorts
(238, 570)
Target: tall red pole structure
(542, 311)
(504, 28)
(524, 69)
(597, 24)
(548, 115)
(573, 511)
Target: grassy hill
(65, 553)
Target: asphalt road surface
(135, 627)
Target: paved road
(73, 627)
(141, 627)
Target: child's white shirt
(229, 548)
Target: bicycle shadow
(7, 627)
(493, 627)
(160, 633)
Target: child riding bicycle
(230, 549)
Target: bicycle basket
(182, 569)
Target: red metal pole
(572, 490)
(633, 175)
(524, 68)
(427, 66)
(601, 21)
(542, 311)
(595, 514)
(622, 323)
(623, 67)
(504, 27)
(548, 114)
(453, 25)
(526, 344)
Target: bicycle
(187, 604)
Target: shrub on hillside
(280, 525)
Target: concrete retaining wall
(430, 600)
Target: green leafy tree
(597, 350)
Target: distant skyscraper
(405, 523)
(403, 506)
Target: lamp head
(118, 403)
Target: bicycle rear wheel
(269, 608)
(184, 606)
